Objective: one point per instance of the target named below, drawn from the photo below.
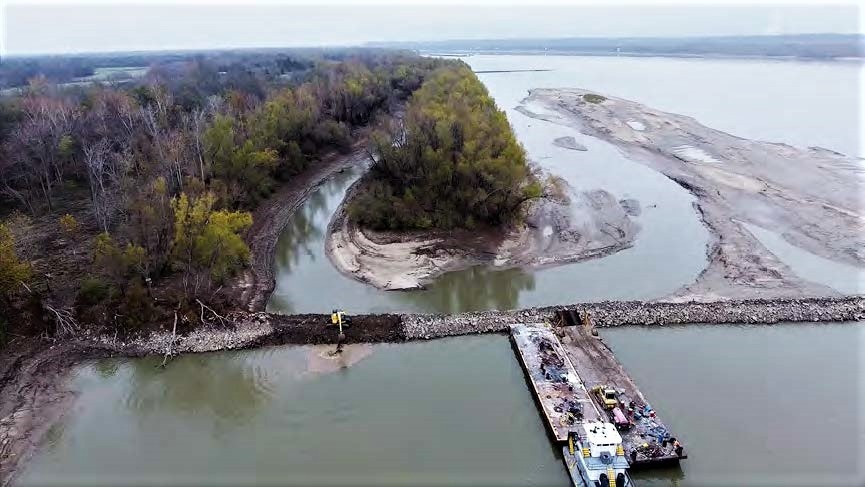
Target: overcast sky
(73, 26)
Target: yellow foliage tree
(207, 244)
(13, 271)
(69, 225)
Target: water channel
(671, 246)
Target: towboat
(595, 454)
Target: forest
(122, 203)
(451, 162)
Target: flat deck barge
(644, 442)
(563, 398)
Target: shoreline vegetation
(129, 206)
(449, 187)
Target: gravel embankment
(250, 330)
(618, 313)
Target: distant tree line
(452, 161)
(170, 165)
(265, 64)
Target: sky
(35, 26)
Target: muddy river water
(755, 405)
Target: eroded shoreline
(255, 285)
(563, 226)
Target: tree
(118, 264)
(13, 271)
(207, 245)
(151, 223)
(453, 161)
(70, 227)
(244, 170)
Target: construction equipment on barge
(592, 447)
(646, 439)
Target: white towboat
(595, 457)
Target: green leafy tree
(244, 170)
(207, 245)
(118, 264)
(453, 162)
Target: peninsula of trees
(451, 162)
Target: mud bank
(33, 396)
(811, 197)
(563, 226)
(269, 219)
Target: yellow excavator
(342, 320)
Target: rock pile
(617, 313)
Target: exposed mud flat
(33, 396)
(812, 197)
(562, 226)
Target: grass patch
(593, 98)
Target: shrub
(69, 224)
(92, 291)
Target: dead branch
(66, 323)
(221, 318)
(170, 349)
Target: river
(754, 405)
(745, 97)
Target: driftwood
(66, 323)
(221, 318)
(171, 343)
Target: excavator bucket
(567, 317)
